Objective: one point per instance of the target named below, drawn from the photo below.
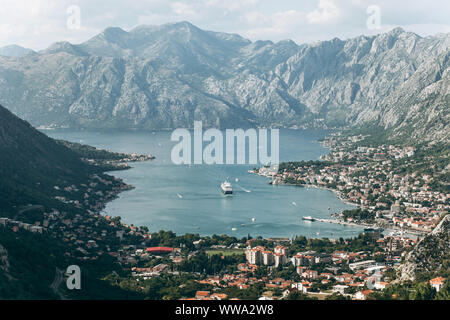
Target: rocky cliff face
(429, 254)
(166, 76)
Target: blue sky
(38, 23)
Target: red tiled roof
(159, 250)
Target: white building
(268, 259)
(254, 255)
(340, 288)
(280, 259)
(361, 264)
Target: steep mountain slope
(33, 170)
(166, 76)
(431, 254)
(31, 164)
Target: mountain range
(156, 77)
(14, 51)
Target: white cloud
(38, 23)
(327, 11)
(183, 9)
(230, 5)
(277, 25)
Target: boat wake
(243, 189)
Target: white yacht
(226, 187)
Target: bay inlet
(188, 198)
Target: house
(285, 293)
(326, 275)
(219, 296)
(380, 285)
(323, 258)
(310, 274)
(160, 268)
(340, 288)
(437, 283)
(301, 286)
(201, 295)
(362, 295)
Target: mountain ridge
(155, 77)
(14, 51)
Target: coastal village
(266, 269)
(373, 179)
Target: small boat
(233, 229)
(253, 219)
(308, 218)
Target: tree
(337, 296)
(444, 293)
(422, 291)
(297, 295)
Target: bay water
(188, 198)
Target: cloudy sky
(38, 23)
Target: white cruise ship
(226, 187)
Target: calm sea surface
(188, 199)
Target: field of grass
(225, 252)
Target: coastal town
(381, 181)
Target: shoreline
(391, 229)
(336, 192)
(230, 234)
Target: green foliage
(252, 293)
(337, 296)
(88, 152)
(297, 295)
(444, 293)
(359, 215)
(213, 264)
(33, 259)
(363, 242)
(422, 291)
